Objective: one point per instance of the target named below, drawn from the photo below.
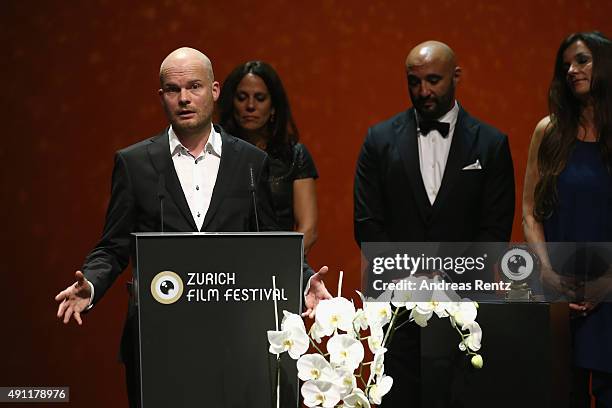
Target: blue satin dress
(584, 214)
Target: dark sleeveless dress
(584, 214)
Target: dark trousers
(132, 380)
(600, 387)
(130, 356)
(403, 364)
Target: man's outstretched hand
(316, 292)
(75, 298)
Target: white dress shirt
(433, 153)
(197, 174)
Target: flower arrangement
(336, 378)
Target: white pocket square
(474, 166)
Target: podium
(205, 303)
(526, 351)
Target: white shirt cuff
(307, 287)
(93, 291)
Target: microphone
(161, 188)
(253, 189)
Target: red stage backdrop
(79, 81)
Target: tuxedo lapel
(464, 139)
(227, 169)
(408, 150)
(159, 152)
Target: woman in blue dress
(567, 197)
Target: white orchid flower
(380, 389)
(316, 332)
(357, 399)
(292, 320)
(333, 383)
(336, 313)
(361, 321)
(421, 313)
(441, 303)
(473, 340)
(420, 291)
(419, 319)
(378, 363)
(435, 301)
(320, 393)
(291, 338)
(425, 308)
(345, 351)
(377, 313)
(346, 381)
(410, 305)
(401, 296)
(452, 308)
(440, 310)
(465, 312)
(315, 367)
(376, 338)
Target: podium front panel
(205, 303)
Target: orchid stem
(275, 302)
(384, 342)
(315, 346)
(390, 328)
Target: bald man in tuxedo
(432, 173)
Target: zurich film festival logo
(167, 287)
(517, 264)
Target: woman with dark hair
(567, 197)
(253, 106)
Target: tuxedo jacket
(144, 174)
(391, 203)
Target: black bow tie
(426, 126)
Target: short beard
(442, 107)
(194, 129)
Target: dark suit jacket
(391, 204)
(144, 171)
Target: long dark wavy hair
(283, 133)
(565, 118)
